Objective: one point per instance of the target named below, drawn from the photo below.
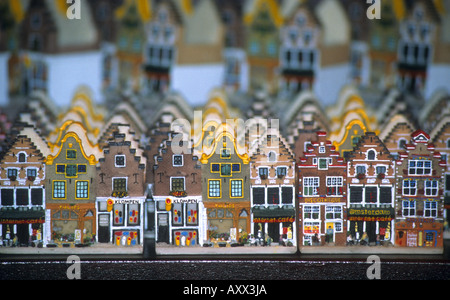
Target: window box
(178, 193)
(12, 178)
(361, 176)
(31, 178)
(381, 175)
(119, 194)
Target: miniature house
(120, 186)
(272, 176)
(322, 196)
(23, 202)
(419, 199)
(371, 190)
(71, 193)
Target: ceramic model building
(294, 125)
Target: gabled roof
(420, 136)
(253, 7)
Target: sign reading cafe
(371, 214)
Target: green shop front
(22, 226)
(275, 222)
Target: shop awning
(22, 216)
(273, 214)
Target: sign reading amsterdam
(371, 214)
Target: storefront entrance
(163, 228)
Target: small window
(177, 184)
(71, 154)
(82, 189)
(323, 163)
(214, 188)
(409, 208)
(322, 149)
(215, 167)
(225, 153)
(225, 170)
(31, 172)
(381, 170)
(59, 189)
(263, 172)
(371, 155)
(81, 168)
(177, 160)
(360, 170)
(22, 157)
(310, 186)
(71, 170)
(431, 187)
(409, 187)
(120, 184)
(281, 172)
(236, 167)
(120, 161)
(272, 157)
(12, 173)
(236, 188)
(60, 168)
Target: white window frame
(416, 167)
(411, 208)
(409, 187)
(173, 160)
(311, 209)
(124, 161)
(433, 189)
(178, 177)
(312, 183)
(336, 182)
(432, 210)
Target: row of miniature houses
(89, 179)
(226, 195)
(59, 192)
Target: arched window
(22, 157)
(401, 143)
(371, 155)
(272, 156)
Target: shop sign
(420, 220)
(69, 207)
(371, 214)
(274, 220)
(323, 200)
(126, 201)
(224, 205)
(22, 221)
(188, 200)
